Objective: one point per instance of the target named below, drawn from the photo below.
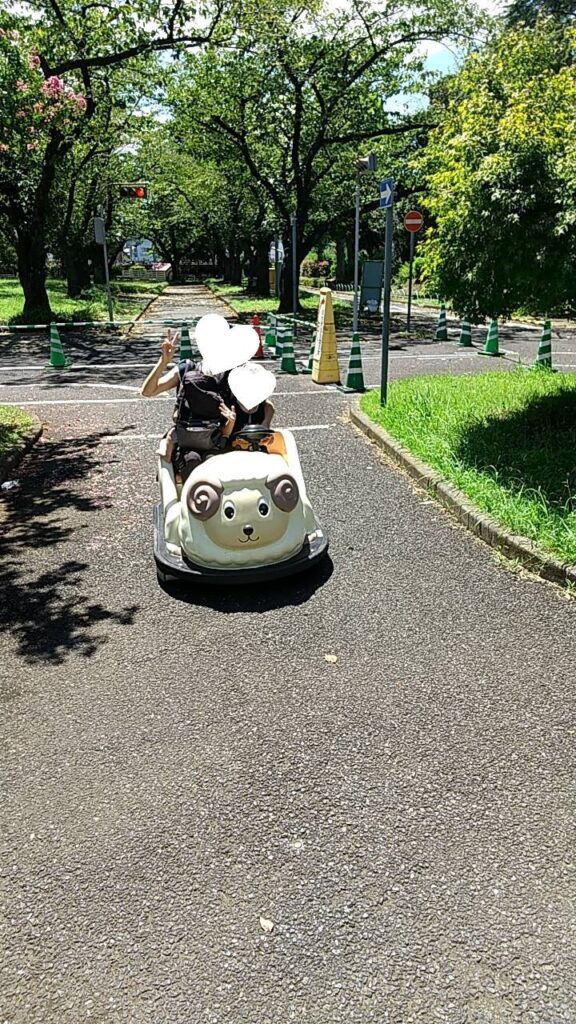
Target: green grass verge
(506, 439)
(13, 424)
(128, 301)
(247, 305)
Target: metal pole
(386, 304)
(356, 256)
(412, 243)
(108, 292)
(276, 265)
(294, 223)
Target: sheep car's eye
(263, 508)
(229, 510)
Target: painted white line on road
(132, 401)
(120, 438)
(81, 366)
(53, 387)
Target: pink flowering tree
(41, 117)
(54, 80)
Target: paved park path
(176, 767)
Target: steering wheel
(251, 436)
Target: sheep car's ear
(204, 498)
(284, 491)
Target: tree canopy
(500, 171)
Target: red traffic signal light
(133, 191)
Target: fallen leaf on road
(266, 925)
(332, 658)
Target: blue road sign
(386, 193)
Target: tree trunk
(32, 275)
(259, 279)
(286, 284)
(341, 261)
(76, 270)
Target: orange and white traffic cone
(256, 325)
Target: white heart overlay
(251, 384)
(223, 347)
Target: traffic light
(133, 192)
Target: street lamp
(363, 166)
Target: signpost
(387, 204)
(413, 222)
(100, 239)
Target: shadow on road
(45, 610)
(530, 450)
(265, 597)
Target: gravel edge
(459, 505)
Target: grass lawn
(508, 440)
(247, 305)
(127, 296)
(13, 423)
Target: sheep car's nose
(248, 530)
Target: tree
(500, 172)
(300, 100)
(527, 12)
(43, 114)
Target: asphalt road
(177, 766)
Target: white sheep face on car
(247, 521)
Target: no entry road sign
(413, 221)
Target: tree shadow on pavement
(532, 449)
(44, 608)
(264, 597)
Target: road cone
(326, 369)
(310, 364)
(185, 345)
(57, 358)
(465, 335)
(288, 364)
(355, 375)
(270, 337)
(442, 328)
(491, 345)
(544, 355)
(256, 325)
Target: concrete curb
(460, 506)
(14, 455)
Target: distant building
(138, 250)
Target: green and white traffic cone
(465, 335)
(544, 355)
(288, 364)
(442, 328)
(282, 331)
(270, 338)
(185, 344)
(310, 364)
(57, 358)
(355, 375)
(491, 346)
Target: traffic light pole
(100, 237)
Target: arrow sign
(413, 221)
(386, 193)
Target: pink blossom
(38, 108)
(81, 103)
(20, 113)
(3, 147)
(53, 86)
(32, 145)
(21, 85)
(34, 60)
